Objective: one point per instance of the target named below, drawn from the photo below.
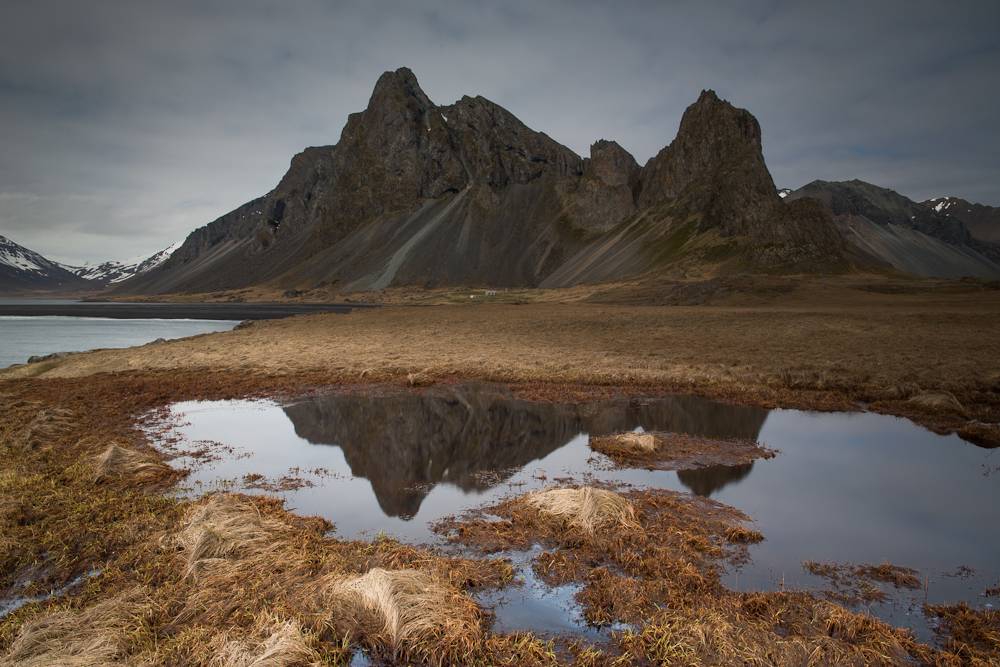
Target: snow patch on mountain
(116, 272)
(22, 259)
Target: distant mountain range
(24, 270)
(465, 194)
(914, 238)
(109, 273)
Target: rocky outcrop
(714, 171)
(465, 194)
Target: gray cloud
(127, 124)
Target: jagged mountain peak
(398, 87)
(717, 145)
(418, 193)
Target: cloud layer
(128, 124)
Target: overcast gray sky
(128, 124)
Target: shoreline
(185, 311)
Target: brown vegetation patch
(663, 577)
(677, 451)
(824, 345)
(971, 634)
(661, 538)
(853, 584)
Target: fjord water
(845, 487)
(23, 337)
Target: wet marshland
(844, 487)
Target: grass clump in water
(676, 451)
(586, 508)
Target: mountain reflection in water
(405, 442)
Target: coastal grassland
(238, 580)
(928, 351)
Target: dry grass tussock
(116, 463)
(96, 635)
(278, 643)
(409, 612)
(939, 401)
(243, 560)
(586, 508)
(638, 442)
(226, 527)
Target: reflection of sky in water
(860, 488)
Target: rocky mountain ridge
(420, 194)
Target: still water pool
(846, 487)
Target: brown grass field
(930, 352)
(233, 580)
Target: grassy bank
(931, 356)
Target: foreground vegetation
(147, 578)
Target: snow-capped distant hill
(24, 270)
(983, 221)
(107, 273)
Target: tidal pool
(845, 487)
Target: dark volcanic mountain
(906, 235)
(420, 194)
(982, 221)
(24, 271)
